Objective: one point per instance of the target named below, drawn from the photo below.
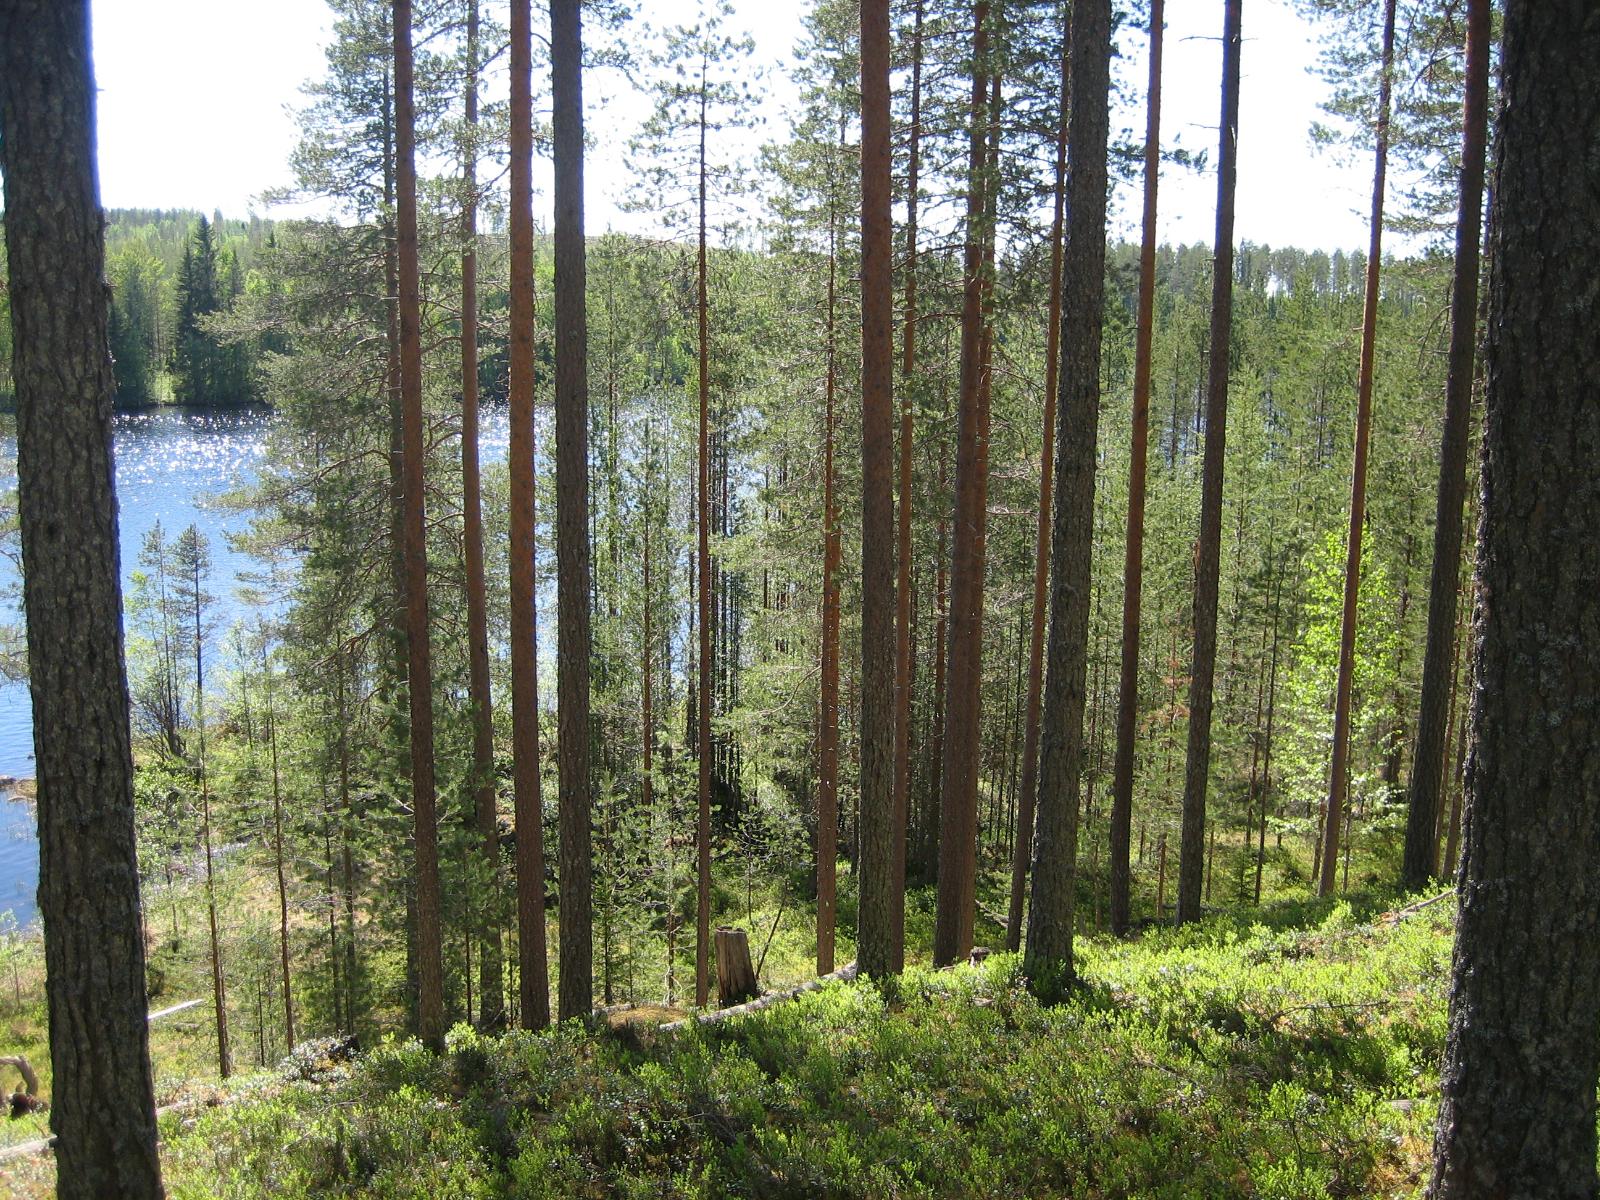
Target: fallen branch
(40, 1145)
(1400, 914)
(783, 902)
(1003, 922)
(176, 1008)
(843, 974)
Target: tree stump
(30, 1080)
(736, 977)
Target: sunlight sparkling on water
(172, 463)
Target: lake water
(171, 465)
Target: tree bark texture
(958, 791)
(828, 731)
(572, 510)
(1022, 848)
(1517, 1116)
(419, 666)
(904, 619)
(1121, 823)
(1433, 721)
(1208, 549)
(702, 941)
(103, 1103)
(876, 936)
(491, 971)
(1048, 959)
(534, 972)
(1339, 774)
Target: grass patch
(1256, 1055)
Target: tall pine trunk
(1208, 549)
(533, 968)
(877, 936)
(1022, 848)
(904, 617)
(102, 1099)
(828, 731)
(1121, 823)
(572, 508)
(491, 982)
(279, 863)
(1433, 722)
(1339, 774)
(219, 987)
(958, 792)
(702, 944)
(1517, 1112)
(1048, 960)
(419, 666)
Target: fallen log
(843, 974)
(1400, 914)
(40, 1145)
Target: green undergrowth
(1247, 1057)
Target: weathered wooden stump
(30, 1080)
(736, 977)
(27, 1100)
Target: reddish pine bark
(491, 982)
(1022, 851)
(828, 734)
(419, 665)
(904, 618)
(1121, 821)
(534, 974)
(1339, 774)
(1048, 961)
(952, 937)
(572, 511)
(876, 935)
(1208, 550)
(702, 944)
(1438, 694)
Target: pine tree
(1433, 721)
(491, 981)
(878, 936)
(1208, 547)
(572, 509)
(1338, 776)
(963, 680)
(1133, 560)
(534, 979)
(419, 667)
(1048, 960)
(191, 571)
(1521, 1062)
(1022, 851)
(196, 367)
(102, 1101)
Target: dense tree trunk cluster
(743, 709)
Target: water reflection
(172, 464)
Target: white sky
(195, 99)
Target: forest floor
(1288, 1051)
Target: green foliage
(1246, 1057)
(208, 367)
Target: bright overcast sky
(195, 98)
